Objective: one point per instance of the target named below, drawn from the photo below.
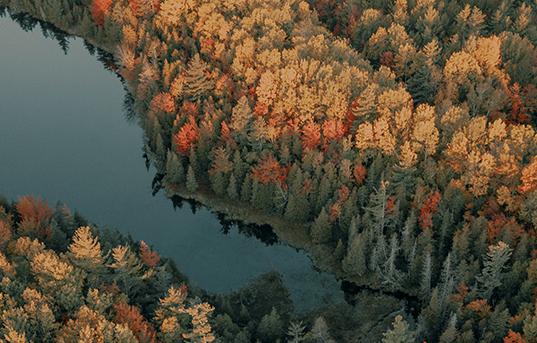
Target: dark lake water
(64, 137)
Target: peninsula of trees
(403, 143)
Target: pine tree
(191, 183)
(391, 276)
(399, 333)
(324, 193)
(197, 83)
(296, 332)
(450, 334)
(320, 332)
(297, 205)
(246, 189)
(490, 278)
(270, 328)
(175, 172)
(355, 262)
(232, 191)
(321, 229)
(218, 182)
(128, 270)
(421, 84)
(339, 251)
(376, 212)
(447, 279)
(426, 272)
(530, 328)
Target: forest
(65, 280)
(393, 140)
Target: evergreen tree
(355, 262)
(391, 276)
(324, 192)
(493, 266)
(320, 332)
(197, 83)
(339, 251)
(218, 182)
(296, 332)
(232, 191)
(399, 333)
(191, 183)
(175, 172)
(530, 328)
(379, 254)
(262, 196)
(426, 274)
(246, 189)
(421, 84)
(376, 212)
(450, 334)
(270, 328)
(297, 206)
(321, 229)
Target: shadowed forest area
(394, 141)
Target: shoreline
(291, 234)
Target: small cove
(64, 137)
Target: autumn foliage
(87, 293)
(99, 9)
(268, 170)
(311, 136)
(428, 210)
(186, 137)
(33, 210)
(163, 102)
(149, 258)
(131, 316)
(513, 337)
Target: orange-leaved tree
(99, 8)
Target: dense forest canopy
(63, 279)
(403, 142)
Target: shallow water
(64, 137)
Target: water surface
(64, 137)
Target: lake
(64, 137)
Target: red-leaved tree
(131, 316)
(311, 136)
(149, 258)
(268, 170)
(99, 8)
(428, 210)
(186, 137)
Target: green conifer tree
(270, 328)
(191, 183)
(232, 191)
(297, 209)
(175, 172)
(451, 333)
(246, 189)
(493, 266)
(399, 333)
(321, 229)
(218, 183)
(355, 262)
(426, 274)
